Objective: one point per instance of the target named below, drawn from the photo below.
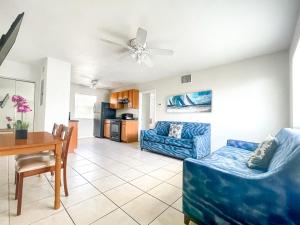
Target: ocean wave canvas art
(190, 102)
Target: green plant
(21, 125)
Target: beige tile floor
(110, 183)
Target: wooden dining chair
(56, 132)
(43, 164)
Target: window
(84, 105)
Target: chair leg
(52, 173)
(65, 182)
(186, 220)
(20, 193)
(17, 185)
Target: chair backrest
(57, 129)
(66, 137)
(289, 143)
(189, 129)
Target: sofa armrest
(143, 133)
(201, 145)
(206, 185)
(250, 146)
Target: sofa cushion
(162, 128)
(184, 143)
(154, 137)
(175, 130)
(165, 149)
(262, 156)
(190, 130)
(232, 160)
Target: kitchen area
(117, 119)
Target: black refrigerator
(102, 112)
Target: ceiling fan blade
(115, 43)
(141, 37)
(157, 51)
(147, 61)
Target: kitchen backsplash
(135, 112)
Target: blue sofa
(221, 189)
(194, 142)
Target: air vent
(186, 79)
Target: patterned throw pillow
(262, 156)
(175, 130)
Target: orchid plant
(22, 107)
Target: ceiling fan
(94, 83)
(138, 48)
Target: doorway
(147, 110)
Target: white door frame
(153, 91)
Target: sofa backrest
(189, 129)
(289, 143)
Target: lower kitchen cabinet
(107, 128)
(129, 131)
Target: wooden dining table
(35, 142)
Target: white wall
(57, 76)
(86, 125)
(22, 71)
(250, 98)
(294, 56)
(19, 71)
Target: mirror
(15, 87)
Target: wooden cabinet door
(130, 96)
(114, 97)
(125, 94)
(129, 131)
(107, 130)
(113, 100)
(123, 133)
(119, 97)
(133, 99)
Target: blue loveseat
(194, 142)
(221, 189)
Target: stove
(115, 129)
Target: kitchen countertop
(73, 120)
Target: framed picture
(190, 102)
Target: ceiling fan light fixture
(93, 84)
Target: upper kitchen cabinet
(133, 99)
(115, 100)
(125, 99)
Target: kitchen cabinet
(124, 94)
(133, 99)
(131, 95)
(129, 131)
(114, 100)
(107, 128)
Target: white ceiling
(203, 33)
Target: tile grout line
(61, 202)
(144, 192)
(109, 200)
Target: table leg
(57, 175)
